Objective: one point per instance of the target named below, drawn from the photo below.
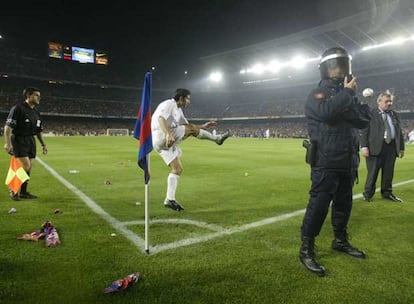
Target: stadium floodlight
(399, 40)
(298, 62)
(396, 41)
(258, 69)
(274, 66)
(216, 76)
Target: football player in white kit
(411, 137)
(169, 128)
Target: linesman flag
(16, 175)
(142, 130)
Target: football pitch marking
(140, 243)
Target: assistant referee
(23, 122)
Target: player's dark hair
(29, 91)
(181, 93)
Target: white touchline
(139, 242)
(213, 227)
(207, 237)
(219, 231)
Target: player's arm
(209, 124)
(168, 135)
(7, 139)
(11, 122)
(39, 136)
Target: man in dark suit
(381, 143)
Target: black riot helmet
(333, 58)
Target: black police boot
(341, 243)
(307, 256)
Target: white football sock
(172, 182)
(207, 135)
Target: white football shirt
(169, 110)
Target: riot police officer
(334, 116)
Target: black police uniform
(25, 123)
(334, 116)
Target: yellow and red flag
(16, 175)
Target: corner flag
(142, 130)
(16, 175)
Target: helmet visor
(336, 67)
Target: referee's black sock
(23, 188)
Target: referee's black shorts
(24, 146)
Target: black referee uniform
(25, 123)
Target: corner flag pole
(147, 213)
(143, 132)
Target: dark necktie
(387, 128)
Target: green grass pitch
(234, 255)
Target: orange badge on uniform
(319, 95)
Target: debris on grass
(48, 231)
(122, 284)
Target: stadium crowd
(87, 99)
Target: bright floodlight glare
(274, 66)
(1, 36)
(396, 41)
(258, 68)
(298, 62)
(216, 76)
(185, 72)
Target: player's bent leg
(204, 134)
(172, 183)
(196, 131)
(218, 139)
(176, 166)
(191, 130)
(223, 137)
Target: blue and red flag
(142, 130)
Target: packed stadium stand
(86, 99)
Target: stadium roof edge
(353, 20)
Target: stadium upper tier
(61, 99)
(380, 40)
(82, 90)
(95, 101)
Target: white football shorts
(159, 144)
